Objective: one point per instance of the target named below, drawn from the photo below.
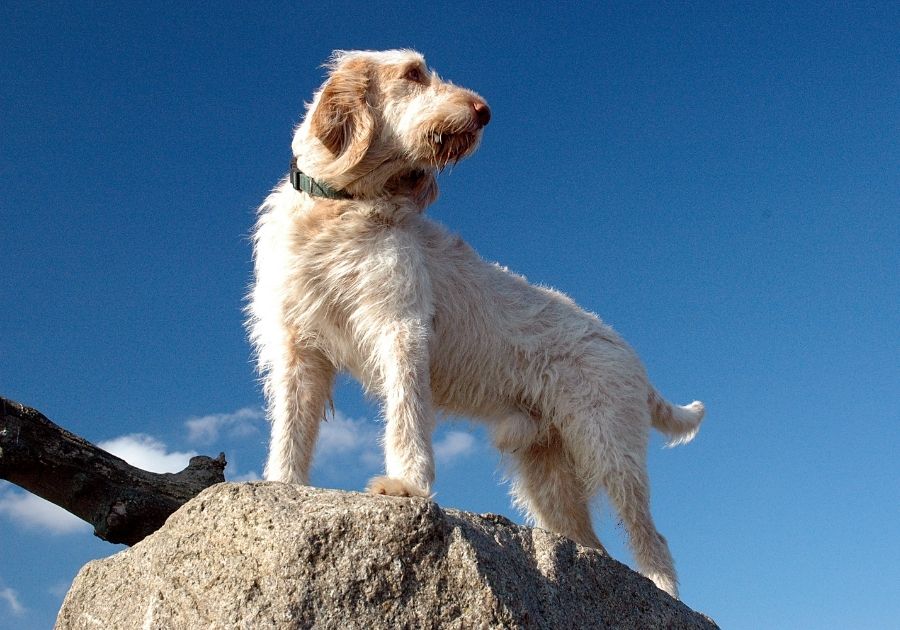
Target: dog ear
(342, 120)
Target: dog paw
(394, 487)
(665, 582)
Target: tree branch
(123, 503)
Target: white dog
(350, 275)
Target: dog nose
(482, 113)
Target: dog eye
(414, 74)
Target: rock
(271, 555)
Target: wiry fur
(372, 286)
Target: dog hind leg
(629, 492)
(610, 445)
(547, 488)
(298, 387)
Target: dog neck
(416, 186)
(314, 188)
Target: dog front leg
(405, 379)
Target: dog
(350, 275)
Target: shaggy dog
(350, 275)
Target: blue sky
(720, 182)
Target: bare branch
(123, 503)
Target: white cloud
(453, 445)
(11, 598)
(30, 510)
(242, 423)
(360, 439)
(348, 441)
(143, 451)
(340, 435)
(248, 476)
(371, 458)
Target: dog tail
(679, 423)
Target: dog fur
(370, 285)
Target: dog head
(382, 120)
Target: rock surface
(269, 555)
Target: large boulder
(271, 555)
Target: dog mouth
(451, 146)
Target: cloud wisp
(349, 447)
(145, 451)
(208, 429)
(251, 475)
(341, 436)
(452, 446)
(11, 598)
(31, 511)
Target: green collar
(302, 181)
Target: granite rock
(272, 555)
